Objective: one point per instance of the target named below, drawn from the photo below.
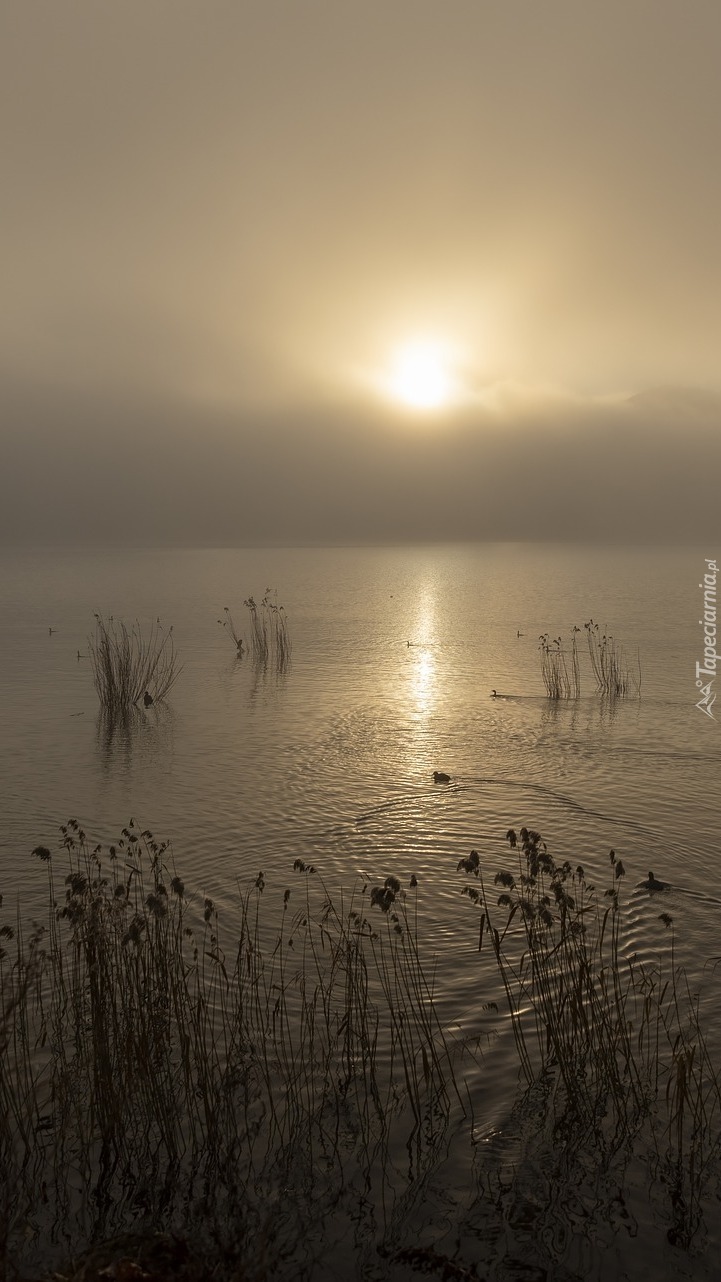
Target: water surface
(395, 654)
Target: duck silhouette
(147, 699)
(440, 777)
(653, 883)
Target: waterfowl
(493, 694)
(147, 699)
(440, 777)
(653, 883)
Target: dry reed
(610, 668)
(127, 665)
(561, 672)
(613, 1041)
(152, 1069)
(143, 1050)
(269, 635)
(560, 682)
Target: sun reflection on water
(424, 683)
(423, 675)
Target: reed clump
(561, 671)
(142, 1050)
(614, 1042)
(269, 637)
(611, 669)
(560, 667)
(129, 666)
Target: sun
(421, 375)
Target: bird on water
(147, 699)
(653, 883)
(440, 777)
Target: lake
(395, 654)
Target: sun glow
(421, 375)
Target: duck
(653, 883)
(440, 777)
(147, 698)
(494, 694)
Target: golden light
(421, 375)
(424, 683)
(423, 689)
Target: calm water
(333, 760)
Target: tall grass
(561, 672)
(268, 627)
(144, 1050)
(269, 636)
(158, 1072)
(614, 1041)
(611, 670)
(562, 679)
(127, 665)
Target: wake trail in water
(399, 803)
(670, 889)
(461, 786)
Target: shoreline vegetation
(284, 1098)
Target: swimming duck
(440, 777)
(653, 883)
(147, 699)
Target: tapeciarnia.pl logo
(710, 657)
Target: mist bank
(80, 468)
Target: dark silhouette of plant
(269, 636)
(127, 665)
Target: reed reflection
(145, 732)
(266, 679)
(261, 681)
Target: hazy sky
(224, 223)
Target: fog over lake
(364, 357)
